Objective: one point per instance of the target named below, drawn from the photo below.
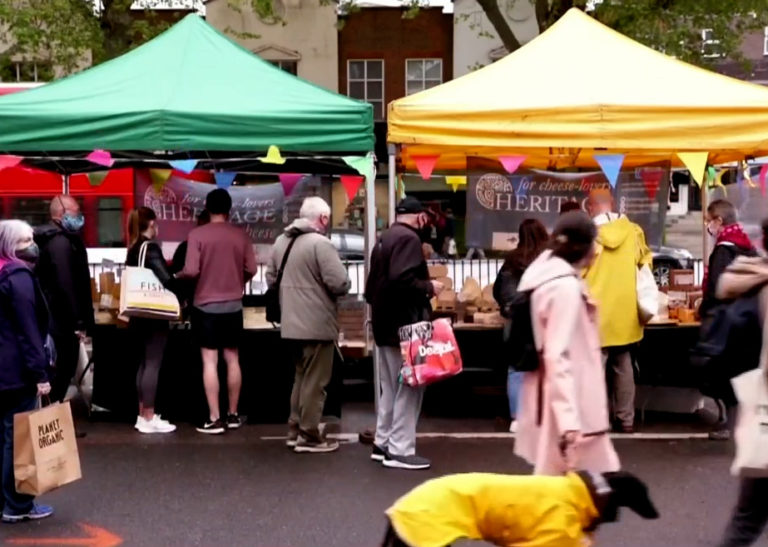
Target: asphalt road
(241, 490)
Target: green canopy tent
(190, 89)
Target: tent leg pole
(65, 184)
(392, 187)
(370, 241)
(705, 234)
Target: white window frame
(711, 41)
(765, 41)
(365, 81)
(424, 79)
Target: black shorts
(217, 330)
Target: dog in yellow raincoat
(514, 511)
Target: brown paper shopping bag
(45, 452)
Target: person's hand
(43, 389)
(81, 334)
(570, 441)
(437, 287)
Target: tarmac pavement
(247, 489)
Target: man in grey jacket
(313, 278)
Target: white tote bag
(142, 294)
(751, 433)
(647, 294)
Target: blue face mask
(73, 223)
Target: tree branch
(499, 22)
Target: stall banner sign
(262, 210)
(498, 202)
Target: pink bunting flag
(511, 163)
(289, 182)
(763, 173)
(100, 157)
(9, 161)
(425, 165)
(651, 180)
(352, 184)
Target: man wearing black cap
(398, 290)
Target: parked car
(350, 243)
(669, 258)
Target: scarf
(732, 234)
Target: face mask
(73, 223)
(30, 254)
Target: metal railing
(483, 270)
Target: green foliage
(62, 33)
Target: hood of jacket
(743, 275)
(613, 234)
(544, 269)
(300, 226)
(46, 232)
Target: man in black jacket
(399, 292)
(66, 281)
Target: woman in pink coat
(563, 416)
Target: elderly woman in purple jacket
(23, 358)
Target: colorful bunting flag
(289, 182)
(719, 181)
(711, 174)
(273, 156)
(362, 164)
(696, 163)
(425, 165)
(763, 172)
(159, 178)
(651, 181)
(454, 181)
(100, 157)
(611, 166)
(352, 184)
(97, 177)
(511, 163)
(185, 166)
(9, 161)
(224, 179)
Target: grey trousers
(750, 514)
(621, 380)
(314, 365)
(399, 406)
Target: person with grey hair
(311, 278)
(24, 361)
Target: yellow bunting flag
(159, 178)
(696, 162)
(454, 181)
(273, 156)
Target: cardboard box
(437, 271)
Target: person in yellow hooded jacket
(514, 510)
(612, 282)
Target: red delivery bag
(430, 352)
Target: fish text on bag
(49, 433)
(437, 348)
(153, 287)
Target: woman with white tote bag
(750, 516)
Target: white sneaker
(156, 425)
(161, 420)
(513, 426)
(139, 420)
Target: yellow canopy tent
(577, 89)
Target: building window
(26, 71)
(291, 67)
(365, 81)
(710, 47)
(110, 222)
(421, 74)
(765, 41)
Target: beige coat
(569, 388)
(313, 279)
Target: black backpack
(519, 343)
(729, 344)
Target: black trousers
(67, 354)
(391, 539)
(750, 514)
